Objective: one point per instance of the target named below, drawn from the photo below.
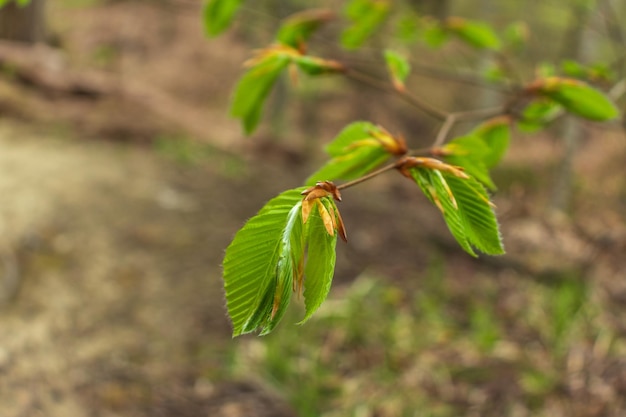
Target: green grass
(434, 350)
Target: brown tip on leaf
(326, 218)
(395, 145)
(307, 205)
(341, 229)
(330, 188)
(315, 194)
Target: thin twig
(406, 96)
(458, 77)
(368, 176)
(443, 132)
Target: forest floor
(116, 212)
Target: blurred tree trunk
(23, 24)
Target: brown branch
(449, 118)
(448, 124)
(368, 177)
(388, 88)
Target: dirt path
(119, 309)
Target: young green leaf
(537, 114)
(260, 262)
(365, 17)
(408, 28)
(20, 3)
(496, 134)
(320, 264)
(254, 87)
(359, 148)
(298, 28)
(398, 68)
(266, 259)
(470, 153)
(576, 97)
(464, 204)
(352, 165)
(477, 34)
(218, 15)
(312, 65)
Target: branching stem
(405, 95)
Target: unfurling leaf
(218, 14)
(538, 113)
(576, 96)
(254, 87)
(496, 134)
(323, 191)
(320, 261)
(463, 202)
(257, 264)
(365, 17)
(265, 262)
(470, 153)
(477, 34)
(597, 72)
(317, 66)
(359, 148)
(398, 68)
(481, 150)
(298, 28)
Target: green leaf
(266, 260)
(298, 28)
(20, 3)
(218, 14)
(481, 150)
(470, 153)
(355, 152)
(465, 207)
(408, 28)
(398, 67)
(496, 134)
(477, 34)
(597, 72)
(256, 264)
(317, 66)
(577, 97)
(365, 16)
(253, 88)
(320, 264)
(352, 165)
(573, 69)
(538, 114)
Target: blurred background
(123, 179)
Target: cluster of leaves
(289, 246)
(20, 3)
